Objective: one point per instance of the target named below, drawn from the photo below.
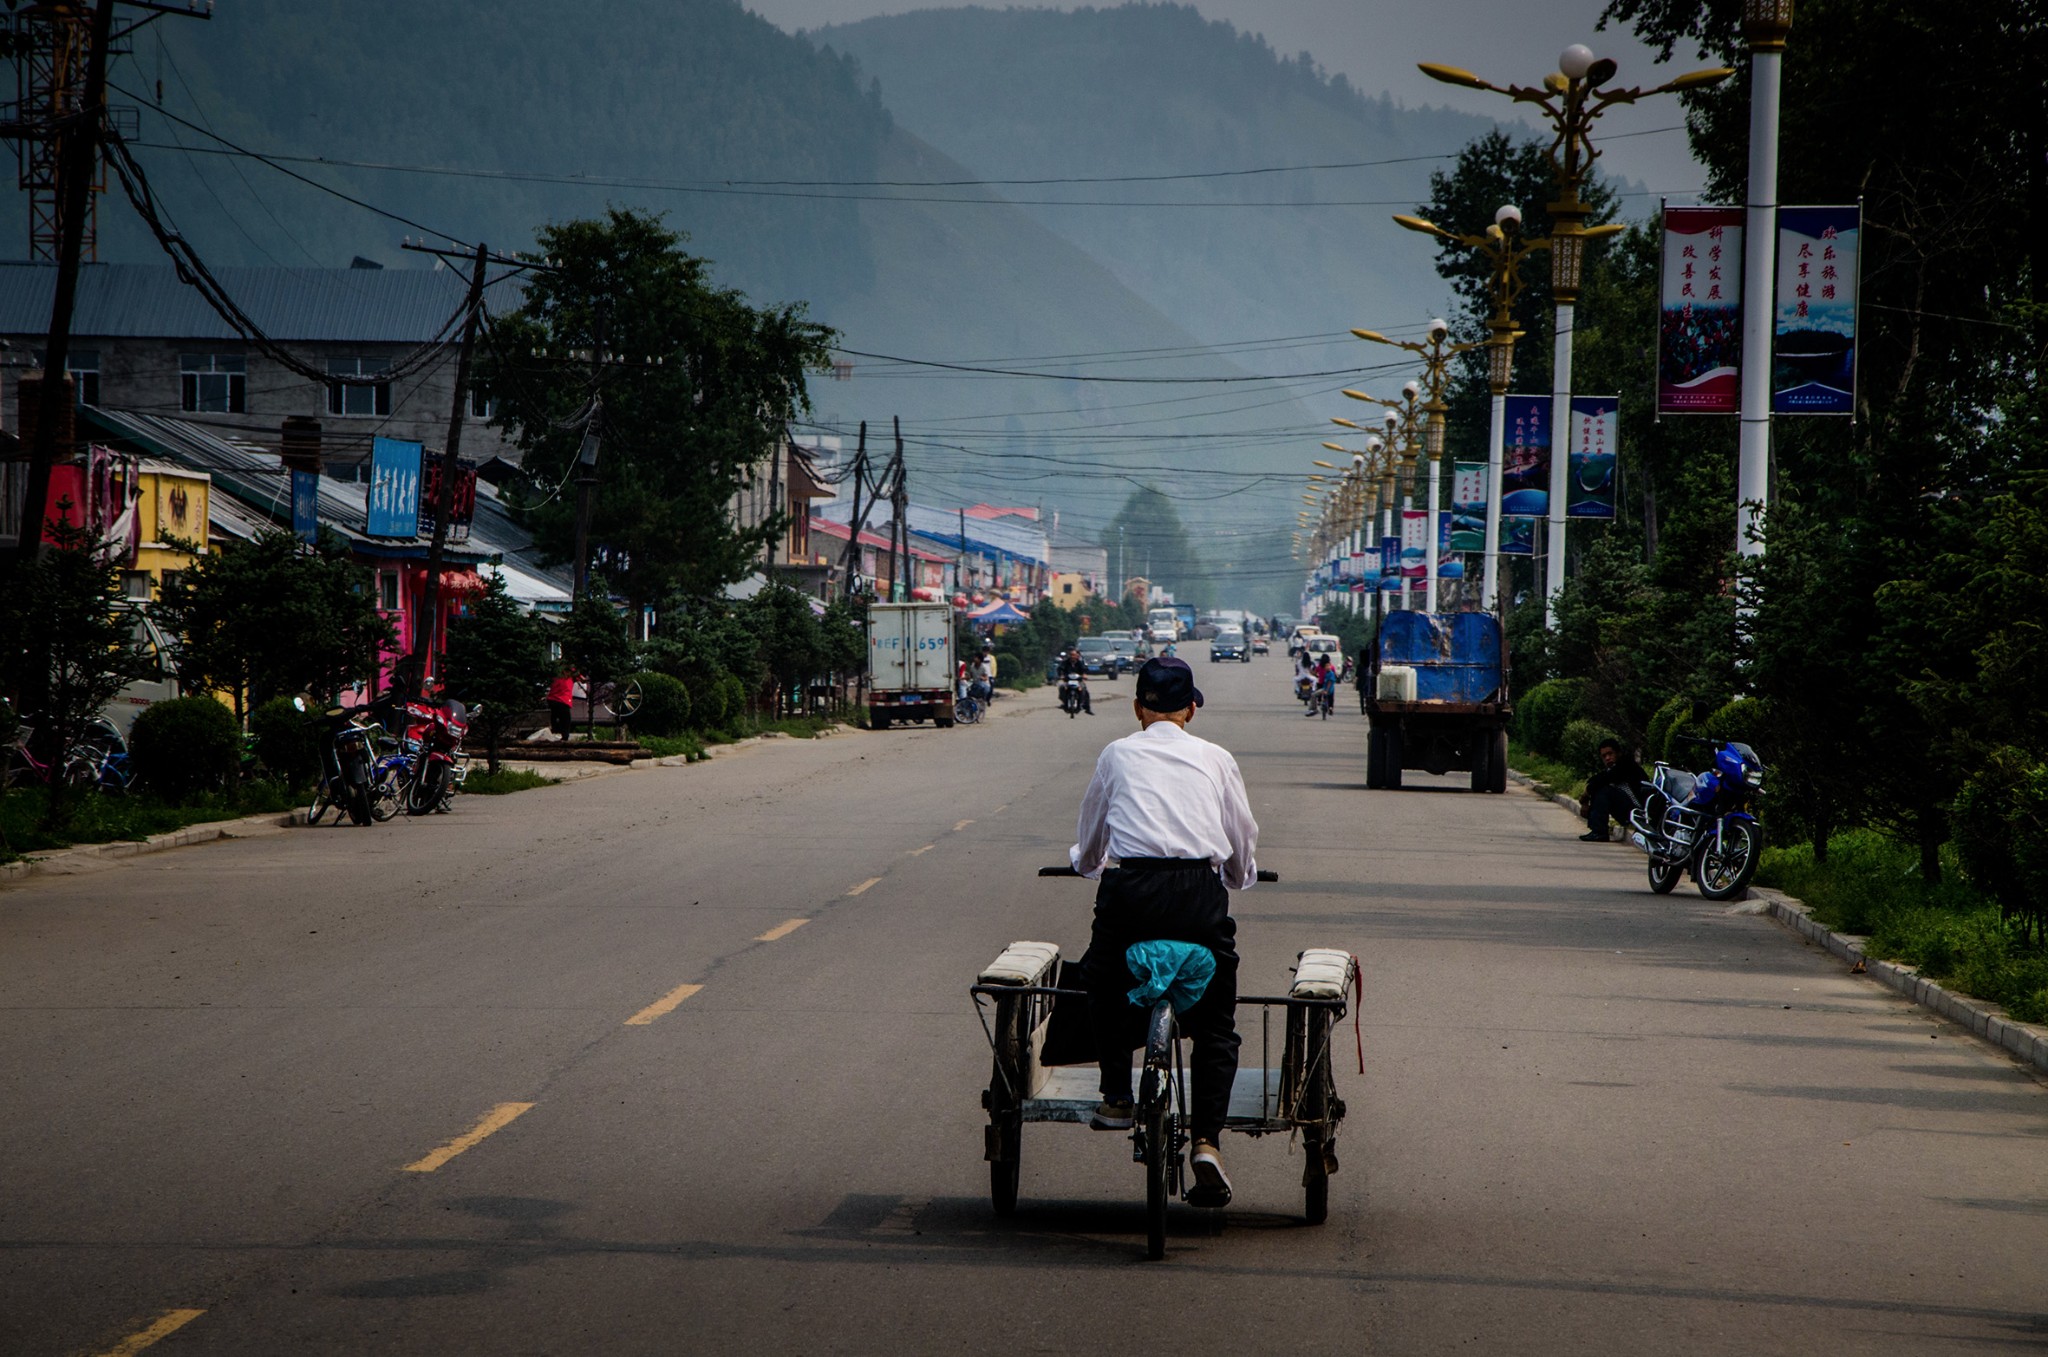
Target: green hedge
(1578, 748)
(664, 704)
(735, 694)
(707, 704)
(287, 742)
(1671, 717)
(185, 746)
(1545, 710)
(1741, 721)
(1008, 668)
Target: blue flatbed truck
(1437, 699)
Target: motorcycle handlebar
(1264, 875)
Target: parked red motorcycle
(433, 739)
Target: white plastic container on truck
(910, 663)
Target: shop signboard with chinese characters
(1468, 506)
(305, 505)
(1699, 329)
(1813, 335)
(1590, 486)
(1525, 464)
(394, 509)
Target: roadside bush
(1741, 721)
(1544, 712)
(1578, 748)
(185, 746)
(707, 702)
(1008, 669)
(735, 694)
(287, 742)
(1670, 717)
(2000, 824)
(664, 704)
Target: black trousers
(1175, 904)
(1615, 802)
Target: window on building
(84, 367)
(387, 584)
(214, 383)
(1067, 587)
(481, 406)
(135, 583)
(353, 399)
(173, 579)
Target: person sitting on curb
(1612, 792)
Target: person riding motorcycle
(1170, 811)
(1072, 667)
(1323, 679)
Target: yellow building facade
(1070, 590)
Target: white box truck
(910, 663)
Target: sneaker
(1212, 1185)
(1112, 1116)
(1595, 838)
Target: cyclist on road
(1169, 811)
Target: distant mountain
(1157, 90)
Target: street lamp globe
(1439, 327)
(1358, 461)
(1575, 61)
(1507, 213)
(1393, 419)
(1412, 389)
(1373, 446)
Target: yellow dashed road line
(962, 825)
(497, 1119)
(871, 881)
(783, 930)
(167, 1324)
(920, 852)
(666, 1003)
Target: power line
(1081, 377)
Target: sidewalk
(1985, 1021)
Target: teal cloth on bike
(1178, 971)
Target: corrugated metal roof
(343, 306)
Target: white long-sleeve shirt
(1163, 793)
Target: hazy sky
(1376, 44)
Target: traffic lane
(795, 1156)
(311, 1062)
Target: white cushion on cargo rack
(1322, 973)
(1022, 963)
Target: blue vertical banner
(394, 508)
(1525, 464)
(1593, 443)
(306, 505)
(1468, 507)
(1518, 537)
(1813, 339)
(1390, 562)
(1449, 566)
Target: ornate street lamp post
(1766, 24)
(1572, 98)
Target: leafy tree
(791, 648)
(497, 662)
(69, 646)
(1156, 545)
(273, 617)
(691, 388)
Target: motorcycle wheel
(359, 804)
(1723, 873)
(421, 792)
(383, 800)
(318, 809)
(1664, 875)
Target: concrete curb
(65, 860)
(1987, 1021)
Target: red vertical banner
(1699, 332)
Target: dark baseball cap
(1166, 684)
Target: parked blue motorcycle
(1700, 822)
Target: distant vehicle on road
(1260, 645)
(1437, 698)
(1163, 625)
(1229, 644)
(1131, 647)
(1099, 656)
(910, 664)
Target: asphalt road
(445, 1086)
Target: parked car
(1229, 644)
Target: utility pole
(78, 139)
(963, 549)
(1765, 26)
(899, 505)
(420, 662)
(853, 526)
(586, 456)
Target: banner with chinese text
(1468, 506)
(1589, 491)
(394, 504)
(1415, 543)
(1518, 537)
(1525, 465)
(1390, 560)
(306, 505)
(1813, 336)
(1699, 331)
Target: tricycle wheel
(1497, 764)
(1315, 1184)
(1158, 1153)
(1005, 1173)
